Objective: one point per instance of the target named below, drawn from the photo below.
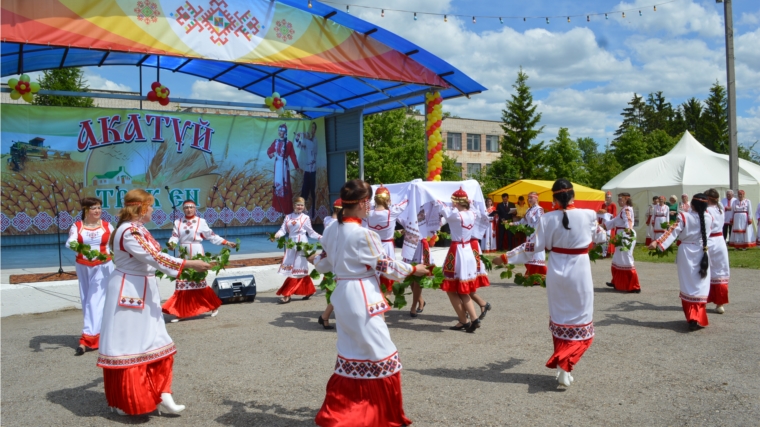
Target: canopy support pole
(733, 147)
(361, 146)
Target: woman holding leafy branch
(693, 261)
(720, 271)
(382, 220)
(136, 352)
(91, 271)
(624, 276)
(192, 299)
(324, 318)
(295, 267)
(535, 261)
(568, 233)
(365, 389)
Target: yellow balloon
(15, 95)
(437, 178)
(28, 97)
(24, 78)
(275, 95)
(35, 87)
(284, 102)
(12, 83)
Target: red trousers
(137, 390)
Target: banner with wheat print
(258, 165)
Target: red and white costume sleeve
(694, 289)
(742, 231)
(190, 232)
(624, 275)
(384, 224)
(569, 285)
(365, 388)
(719, 268)
(684, 207)
(661, 214)
(136, 352)
(92, 276)
(535, 261)
(462, 267)
(294, 265)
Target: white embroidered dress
(190, 232)
(661, 214)
(384, 224)
(133, 330)
(355, 254)
(296, 226)
(461, 267)
(742, 231)
(717, 250)
(519, 255)
(623, 260)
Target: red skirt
(625, 280)
(90, 341)
(354, 402)
(695, 311)
(137, 390)
(386, 285)
(611, 248)
(535, 269)
(300, 286)
(718, 293)
(190, 303)
(461, 287)
(567, 353)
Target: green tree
(630, 148)
(658, 114)
(658, 143)
(714, 130)
(633, 115)
(394, 150)
(606, 168)
(520, 122)
(501, 173)
(692, 116)
(564, 159)
(68, 79)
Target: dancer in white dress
(720, 271)
(324, 318)
(693, 261)
(365, 389)
(489, 240)
(92, 275)
(742, 230)
(535, 261)
(382, 220)
(567, 233)
(624, 276)
(136, 352)
(297, 226)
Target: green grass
(737, 259)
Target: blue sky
(582, 73)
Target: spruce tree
(633, 115)
(67, 79)
(520, 121)
(714, 129)
(691, 110)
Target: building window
(472, 169)
(473, 142)
(454, 141)
(488, 166)
(492, 143)
(458, 166)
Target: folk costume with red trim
(365, 388)
(569, 285)
(624, 275)
(92, 276)
(695, 290)
(192, 299)
(742, 230)
(611, 209)
(136, 352)
(462, 267)
(294, 265)
(720, 272)
(283, 153)
(383, 222)
(489, 239)
(337, 205)
(535, 261)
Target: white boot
(720, 310)
(117, 410)
(214, 313)
(564, 378)
(571, 377)
(175, 320)
(558, 372)
(167, 405)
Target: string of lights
(607, 14)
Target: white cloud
(98, 82)
(748, 128)
(204, 89)
(677, 18)
(749, 18)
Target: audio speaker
(235, 288)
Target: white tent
(688, 168)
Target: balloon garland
(159, 93)
(434, 116)
(23, 88)
(276, 103)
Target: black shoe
(321, 321)
(637, 291)
(413, 314)
(306, 297)
(484, 310)
(475, 324)
(459, 328)
(79, 351)
(284, 301)
(612, 285)
(419, 310)
(694, 325)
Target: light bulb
(415, 16)
(606, 17)
(655, 8)
(640, 13)
(382, 13)
(347, 9)
(501, 21)
(588, 18)
(547, 20)
(623, 14)
(524, 19)
(309, 4)
(568, 19)
(473, 20)
(445, 18)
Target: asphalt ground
(263, 364)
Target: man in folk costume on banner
(307, 143)
(661, 215)
(568, 233)
(728, 219)
(283, 153)
(624, 275)
(192, 299)
(742, 231)
(382, 220)
(610, 208)
(535, 261)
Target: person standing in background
(684, 206)
(672, 208)
(504, 210)
(728, 219)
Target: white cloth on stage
(688, 231)
(354, 254)
(623, 220)
(569, 285)
(296, 226)
(742, 231)
(190, 232)
(716, 248)
(133, 330)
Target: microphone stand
(224, 205)
(174, 215)
(58, 232)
